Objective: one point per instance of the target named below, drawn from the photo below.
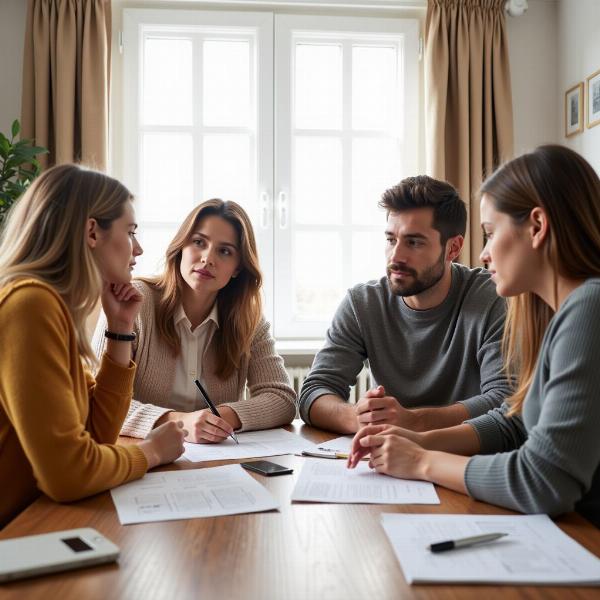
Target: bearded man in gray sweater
(430, 330)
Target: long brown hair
(568, 189)
(45, 237)
(239, 302)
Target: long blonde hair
(239, 302)
(568, 189)
(44, 237)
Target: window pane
(317, 182)
(154, 241)
(318, 86)
(373, 88)
(376, 166)
(167, 182)
(368, 255)
(226, 87)
(226, 168)
(318, 275)
(167, 96)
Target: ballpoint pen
(213, 408)
(464, 542)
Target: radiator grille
(363, 381)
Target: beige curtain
(469, 125)
(66, 73)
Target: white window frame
(258, 25)
(273, 146)
(288, 29)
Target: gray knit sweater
(549, 458)
(433, 357)
(259, 391)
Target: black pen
(464, 542)
(213, 408)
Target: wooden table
(312, 551)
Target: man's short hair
(449, 211)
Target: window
(306, 142)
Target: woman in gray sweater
(539, 452)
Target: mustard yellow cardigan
(58, 426)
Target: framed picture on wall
(574, 110)
(593, 99)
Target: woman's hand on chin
(121, 303)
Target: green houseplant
(18, 168)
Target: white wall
(12, 30)
(534, 56)
(579, 40)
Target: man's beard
(418, 283)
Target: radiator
(363, 381)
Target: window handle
(264, 206)
(282, 210)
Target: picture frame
(574, 110)
(593, 99)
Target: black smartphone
(266, 467)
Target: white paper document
(188, 494)
(270, 442)
(323, 480)
(535, 551)
(340, 444)
(337, 448)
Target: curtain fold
(66, 77)
(469, 122)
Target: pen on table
(213, 408)
(338, 453)
(464, 542)
(324, 453)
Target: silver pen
(464, 542)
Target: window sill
(298, 347)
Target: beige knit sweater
(259, 392)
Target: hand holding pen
(212, 407)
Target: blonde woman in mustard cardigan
(202, 319)
(69, 241)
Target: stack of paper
(323, 480)
(188, 494)
(535, 551)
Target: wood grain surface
(301, 551)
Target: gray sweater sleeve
(555, 465)
(338, 363)
(494, 385)
(497, 432)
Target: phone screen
(76, 544)
(265, 467)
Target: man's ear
(454, 246)
(91, 233)
(538, 227)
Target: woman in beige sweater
(202, 319)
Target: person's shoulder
(476, 283)
(585, 299)
(370, 290)
(147, 287)
(262, 329)
(369, 298)
(33, 300)
(32, 294)
(151, 292)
